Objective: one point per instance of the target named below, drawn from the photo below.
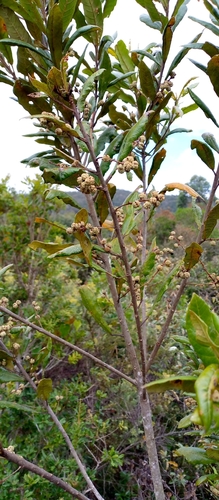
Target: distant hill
(170, 203)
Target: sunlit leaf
(181, 382)
(205, 386)
(198, 333)
(50, 248)
(182, 187)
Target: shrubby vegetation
(109, 333)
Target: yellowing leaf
(108, 224)
(192, 256)
(182, 187)
(44, 388)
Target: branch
(184, 282)
(67, 344)
(25, 464)
(61, 429)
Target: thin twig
(67, 344)
(25, 464)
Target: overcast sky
(181, 163)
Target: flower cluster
(151, 200)
(129, 163)
(136, 282)
(120, 215)
(87, 111)
(87, 184)
(5, 329)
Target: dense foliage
(101, 356)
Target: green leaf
(32, 13)
(50, 248)
(6, 376)
(147, 266)
(207, 25)
(211, 141)
(146, 81)
(214, 11)
(213, 72)
(181, 383)
(16, 406)
(67, 251)
(198, 65)
(44, 388)
(89, 301)
(191, 107)
(133, 134)
(54, 31)
(84, 30)
(87, 88)
(181, 54)
(106, 137)
(120, 78)
(19, 43)
(194, 455)
(192, 255)
(211, 222)
(203, 106)
(149, 5)
(167, 39)
(205, 386)
(67, 176)
(198, 315)
(109, 7)
(40, 220)
(204, 152)
(102, 203)
(157, 160)
(124, 59)
(93, 15)
(61, 195)
(156, 25)
(118, 118)
(111, 151)
(67, 8)
(4, 269)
